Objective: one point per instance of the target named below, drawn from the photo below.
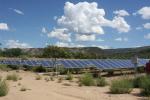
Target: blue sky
(101, 23)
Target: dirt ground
(52, 90)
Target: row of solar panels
(78, 63)
(101, 64)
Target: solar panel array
(100, 63)
(77, 63)
(45, 63)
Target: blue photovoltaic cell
(63, 63)
(78, 63)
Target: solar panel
(78, 63)
(65, 64)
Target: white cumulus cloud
(147, 26)
(66, 44)
(4, 26)
(121, 13)
(144, 12)
(61, 34)
(86, 18)
(120, 24)
(17, 44)
(82, 17)
(62, 44)
(83, 37)
(121, 39)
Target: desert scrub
(52, 78)
(1, 77)
(20, 78)
(19, 84)
(23, 88)
(67, 84)
(13, 77)
(145, 86)
(60, 79)
(87, 80)
(39, 69)
(4, 68)
(69, 76)
(137, 82)
(3, 88)
(101, 82)
(38, 77)
(47, 79)
(121, 86)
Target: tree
(14, 52)
(55, 52)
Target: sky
(74, 23)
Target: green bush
(60, 79)
(38, 77)
(39, 69)
(47, 79)
(13, 67)
(3, 88)
(140, 70)
(101, 82)
(4, 68)
(23, 88)
(145, 86)
(110, 72)
(27, 68)
(61, 70)
(1, 77)
(137, 82)
(87, 80)
(69, 76)
(52, 78)
(13, 77)
(121, 86)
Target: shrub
(23, 88)
(38, 77)
(3, 88)
(140, 69)
(121, 86)
(13, 67)
(13, 77)
(20, 78)
(137, 82)
(19, 84)
(67, 84)
(1, 77)
(145, 86)
(47, 79)
(60, 79)
(101, 82)
(61, 70)
(27, 68)
(69, 76)
(87, 80)
(4, 68)
(110, 72)
(51, 78)
(39, 69)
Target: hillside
(143, 52)
(82, 52)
